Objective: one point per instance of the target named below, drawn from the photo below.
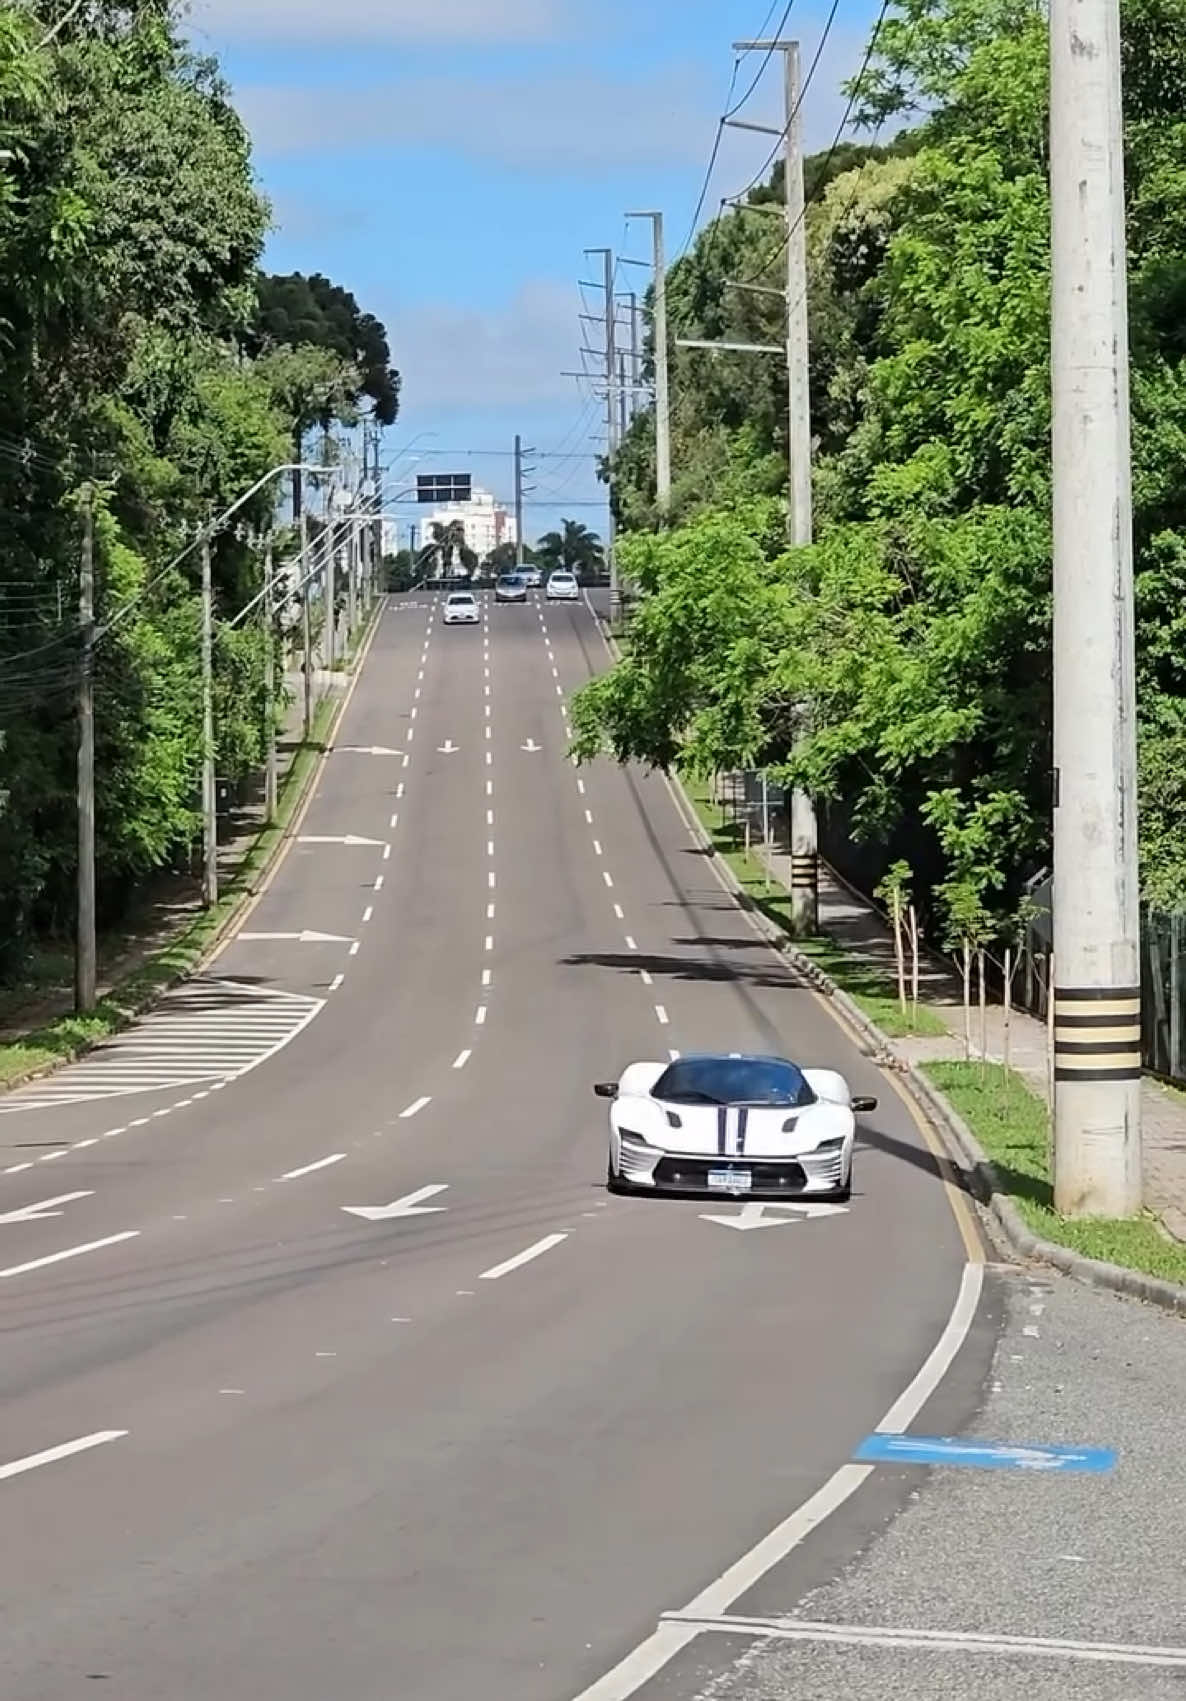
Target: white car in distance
(562, 587)
(461, 609)
(723, 1122)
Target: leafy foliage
(900, 668)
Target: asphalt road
(481, 1447)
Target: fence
(1163, 938)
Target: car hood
(731, 1131)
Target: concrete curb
(247, 896)
(976, 1169)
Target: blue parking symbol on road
(880, 1449)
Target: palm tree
(576, 548)
(448, 540)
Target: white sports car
(728, 1123)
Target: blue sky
(449, 160)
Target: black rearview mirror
(864, 1103)
(606, 1089)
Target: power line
(767, 55)
(794, 113)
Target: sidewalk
(854, 923)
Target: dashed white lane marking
(399, 791)
(487, 976)
(521, 1258)
(489, 754)
(336, 982)
(411, 731)
(204, 1030)
(489, 711)
(414, 1108)
(581, 787)
(15, 1169)
(589, 816)
(307, 1169)
(395, 818)
(94, 1140)
(407, 758)
(64, 1450)
(48, 1157)
(490, 817)
(597, 851)
(368, 913)
(488, 734)
(489, 912)
(489, 847)
(673, 1053)
(378, 882)
(645, 977)
(353, 951)
(416, 693)
(489, 788)
(415, 712)
(661, 1013)
(630, 945)
(69, 1252)
(462, 1058)
(386, 853)
(480, 1016)
(619, 912)
(560, 691)
(490, 878)
(489, 942)
(607, 877)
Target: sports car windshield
(733, 1080)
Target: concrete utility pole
(804, 830)
(635, 367)
(352, 541)
(269, 688)
(1096, 913)
(85, 970)
(209, 797)
(518, 500)
(306, 631)
(610, 420)
(623, 398)
(659, 329)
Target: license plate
(730, 1180)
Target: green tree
(574, 547)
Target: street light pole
(659, 331)
(209, 798)
(269, 688)
(85, 951)
(1096, 908)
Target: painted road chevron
(206, 1030)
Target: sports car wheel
(844, 1192)
(613, 1182)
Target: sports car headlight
(830, 1145)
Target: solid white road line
(672, 1636)
(307, 1169)
(949, 1641)
(462, 1058)
(525, 1257)
(65, 1450)
(415, 1106)
(70, 1252)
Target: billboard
(444, 487)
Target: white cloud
(578, 122)
(475, 23)
(467, 359)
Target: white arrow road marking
(70, 1252)
(408, 1206)
(307, 937)
(448, 748)
(751, 1216)
(531, 746)
(38, 1213)
(368, 749)
(335, 839)
(64, 1450)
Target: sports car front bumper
(823, 1170)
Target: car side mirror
(864, 1104)
(606, 1089)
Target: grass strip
(67, 1036)
(1010, 1122)
(875, 993)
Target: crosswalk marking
(206, 1030)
